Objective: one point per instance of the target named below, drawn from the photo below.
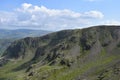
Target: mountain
(81, 54)
(8, 36)
(4, 43)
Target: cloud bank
(112, 22)
(40, 17)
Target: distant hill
(8, 36)
(81, 54)
(21, 33)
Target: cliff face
(90, 54)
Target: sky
(58, 14)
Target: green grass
(7, 73)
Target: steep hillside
(4, 43)
(86, 54)
(9, 36)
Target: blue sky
(58, 14)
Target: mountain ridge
(91, 54)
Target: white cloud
(26, 5)
(7, 17)
(94, 14)
(30, 16)
(112, 22)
